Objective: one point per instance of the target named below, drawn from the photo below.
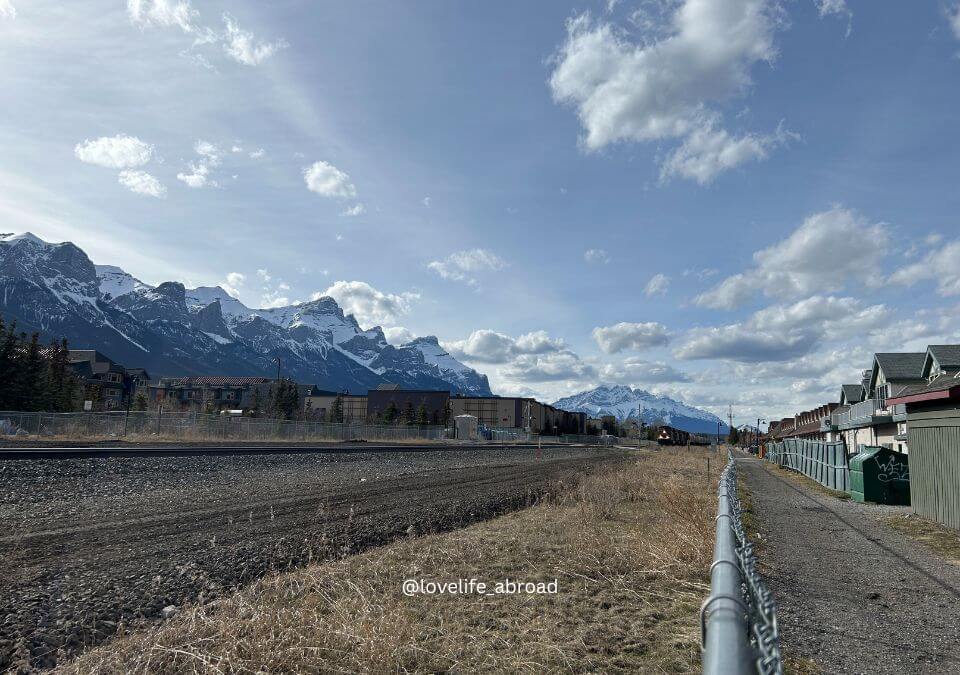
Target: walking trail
(853, 595)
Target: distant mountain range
(172, 330)
(625, 404)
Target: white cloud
(635, 336)
(398, 335)
(264, 275)
(233, 283)
(741, 343)
(200, 170)
(114, 152)
(488, 346)
(426, 202)
(658, 285)
(243, 47)
(551, 367)
(163, 13)
(142, 183)
(327, 180)
(780, 333)
(272, 300)
(821, 255)
(953, 16)
(709, 150)
(464, 265)
(7, 10)
(367, 304)
(355, 210)
(836, 8)
(257, 154)
(941, 264)
(698, 53)
(634, 370)
(596, 256)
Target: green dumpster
(880, 475)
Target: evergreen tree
(408, 416)
(391, 413)
(734, 437)
(422, 419)
(140, 402)
(336, 412)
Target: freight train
(672, 436)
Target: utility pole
(730, 418)
(278, 370)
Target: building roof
(387, 386)
(948, 356)
(944, 387)
(901, 365)
(851, 393)
(213, 381)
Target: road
(853, 595)
(91, 543)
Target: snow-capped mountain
(625, 403)
(171, 330)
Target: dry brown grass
(800, 478)
(630, 549)
(942, 540)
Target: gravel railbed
(96, 545)
(853, 595)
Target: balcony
(868, 413)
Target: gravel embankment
(853, 595)
(94, 545)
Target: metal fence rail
(738, 621)
(188, 426)
(824, 462)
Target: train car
(671, 436)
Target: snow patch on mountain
(625, 404)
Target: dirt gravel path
(90, 544)
(854, 596)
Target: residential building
(214, 393)
(107, 384)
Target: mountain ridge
(56, 290)
(626, 403)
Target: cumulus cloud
(114, 152)
(781, 333)
(464, 265)
(243, 47)
(257, 154)
(553, 367)
(635, 336)
(233, 283)
(635, 370)
(369, 305)
(488, 346)
(827, 250)
(7, 10)
(327, 180)
(142, 183)
(355, 210)
(836, 8)
(658, 285)
(199, 174)
(398, 335)
(596, 256)
(941, 264)
(709, 151)
(660, 87)
(163, 13)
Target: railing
(197, 427)
(824, 462)
(738, 621)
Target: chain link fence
(738, 621)
(185, 426)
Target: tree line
(34, 377)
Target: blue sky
(731, 202)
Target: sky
(732, 203)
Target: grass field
(629, 548)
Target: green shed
(880, 475)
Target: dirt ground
(853, 594)
(90, 545)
